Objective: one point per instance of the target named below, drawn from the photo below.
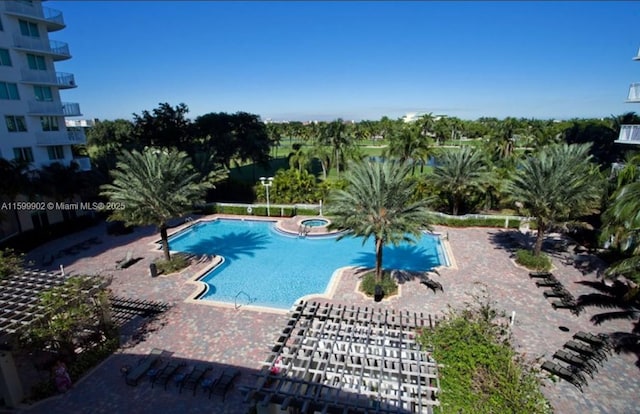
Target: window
(49, 123)
(43, 93)
(36, 62)
(15, 123)
(23, 154)
(29, 29)
(5, 59)
(1, 28)
(9, 91)
(56, 152)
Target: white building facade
(630, 134)
(32, 115)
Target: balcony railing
(47, 138)
(84, 163)
(59, 79)
(634, 93)
(637, 57)
(51, 17)
(629, 134)
(57, 50)
(54, 108)
(71, 109)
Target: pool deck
(223, 336)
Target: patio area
(225, 337)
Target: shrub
(10, 262)
(527, 259)
(480, 371)
(368, 284)
(177, 263)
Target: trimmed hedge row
(475, 222)
(258, 210)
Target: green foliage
(473, 222)
(10, 262)
(529, 260)
(175, 264)
(91, 357)
(480, 372)
(368, 284)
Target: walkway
(224, 336)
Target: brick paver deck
(222, 336)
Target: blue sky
(354, 60)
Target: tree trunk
(539, 237)
(379, 246)
(165, 241)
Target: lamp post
(266, 183)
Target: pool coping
(329, 293)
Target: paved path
(241, 338)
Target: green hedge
(260, 211)
(527, 259)
(474, 222)
(368, 284)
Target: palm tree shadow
(232, 246)
(405, 257)
(622, 302)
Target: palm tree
(557, 184)
(376, 203)
(458, 174)
(409, 144)
(153, 186)
(334, 134)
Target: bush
(368, 284)
(480, 371)
(473, 222)
(10, 262)
(176, 264)
(527, 259)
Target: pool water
(266, 268)
(314, 222)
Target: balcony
(634, 93)
(60, 80)
(638, 56)
(60, 138)
(629, 134)
(57, 50)
(54, 108)
(51, 18)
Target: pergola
(339, 359)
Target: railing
(45, 108)
(84, 123)
(634, 93)
(71, 109)
(77, 136)
(42, 13)
(629, 134)
(53, 47)
(84, 163)
(60, 79)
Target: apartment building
(630, 134)
(33, 127)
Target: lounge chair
(431, 284)
(126, 262)
(577, 361)
(222, 386)
(555, 292)
(586, 350)
(192, 380)
(165, 375)
(567, 302)
(571, 376)
(550, 281)
(540, 275)
(596, 341)
(136, 373)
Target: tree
(334, 135)
(165, 126)
(377, 203)
(558, 184)
(458, 174)
(410, 144)
(16, 179)
(153, 186)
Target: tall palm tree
(154, 186)
(558, 184)
(458, 174)
(335, 135)
(409, 145)
(377, 203)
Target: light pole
(266, 183)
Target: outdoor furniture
(571, 376)
(556, 292)
(165, 375)
(431, 284)
(134, 375)
(548, 282)
(577, 361)
(181, 377)
(586, 350)
(222, 386)
(541, 275)
(192, 380)
(567, 302)
(126, 262)
(596, 341)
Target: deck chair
(540, 275)
(596, 341)
(136, 373)
(555, 292)
(224, 383)
(127, 261)
(566, 374)
(549, 281)
(165, 375)
(431, 284)
(192, 380)
(577, 361)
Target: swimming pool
(267, 268)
